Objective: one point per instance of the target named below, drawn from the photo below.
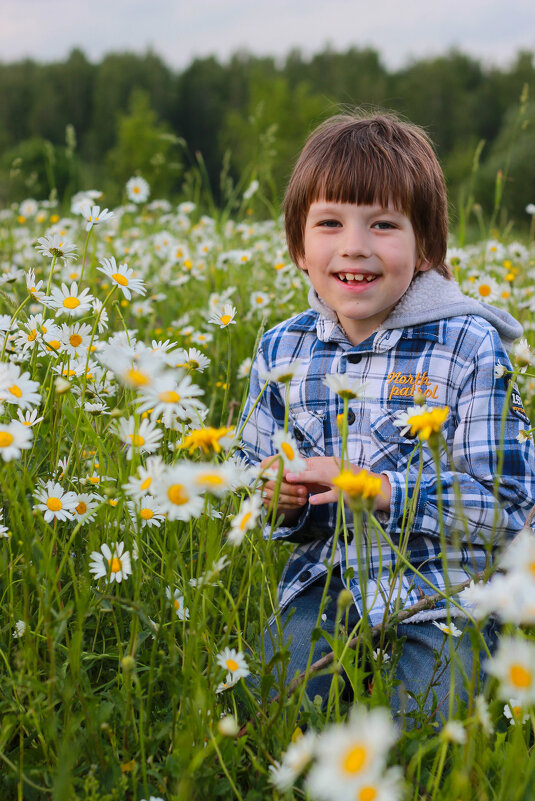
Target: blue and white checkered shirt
(452, 360)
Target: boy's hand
(318, 476)
(292, 497)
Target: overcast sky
(179, 30)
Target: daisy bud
(344, 599)
(228, 726)
(128, 664)
(116, 413)
(61, 385)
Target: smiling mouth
(355, 278)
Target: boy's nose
(356, 243)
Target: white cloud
(182, 29)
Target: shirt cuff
(398, 485)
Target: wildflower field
(136, 569)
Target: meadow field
(137, 570)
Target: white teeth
(356, 277)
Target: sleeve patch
(517, 407)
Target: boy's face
(360, 260)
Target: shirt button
(350, 417)
(305, 576)
(354, 358)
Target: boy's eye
(329, 223)
(383, 225)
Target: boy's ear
(422, 265)
(301, 264)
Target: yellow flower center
(520, 676)
(147, 514)
(137, 440)
(245, 520)
(517, 711)
(93, 479)
(71, 302)
(177, 494)
(137, 377)
(362, 484)
(169, 396)
(6, 439)
(367, 794)
(53, 344)
(210, 479)
(15, 390)
(75, 340)
(484, 290)
(32, 335)
(81, 508)
(146, 484)
(354, 759)
(288, 451)
(531, 567)
(54, 504)
(176, 604)
(121, 279)
(115, 564)
(225, 319)
(232, 664)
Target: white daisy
(123, 277)
(351, 754)
(234, 662)
(147, 510)
(14, 438)
(176, 493)
(20, 629)
(93, 215)
(55, 245)
(177, 600)
(18, 388)
(137, 189)
(287, 447)
(140, 485)
(170, 396)
(223, 316)
(55, 502)
(68, 300)
(245, 520)
(113, 563)
(514, 666)
(4, 531)
(29, 418)
(76, 338)
(345, 386)
(450, 630)
(515, 711)
(87, 505)
(284, 373)
(139, 437)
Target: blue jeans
(416, 669)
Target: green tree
(145, 145)
(265, 139)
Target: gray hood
(429, 298)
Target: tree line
(213, 127)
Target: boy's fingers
(324, 497)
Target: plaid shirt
(452, 360)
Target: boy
(366, 219)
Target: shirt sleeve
(487, 485)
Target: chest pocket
(389, 449)
(309, 432)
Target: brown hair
(371, 160)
